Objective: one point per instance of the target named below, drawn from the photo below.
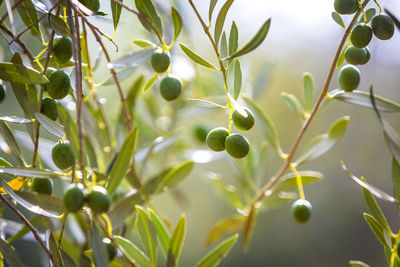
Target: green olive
(237, 145)
(200, 132)
(62, 156)
(160, 61)
(349, 78)
(74, 198)
(301, 210)
(170, 87)
(49, 108)
(62, 49)
(345, 7)
(42, 186)
(216, 138)
(98, 200)
(2, 93)
(241, 122)
(361, 35)
(357, 56)
(382, 26)
(59, 84)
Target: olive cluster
(170, 85)
(235, 144)
(358, 53)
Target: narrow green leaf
(136, 255)
(381, 234)
(361, 98)
(147, 234)
(26, 204)
(204, 103)
(340, 61)
(227, 192)
(162, 233)
(219, 23)
(144, 43)
(52, 246)
(338, 19)
(51, 126)
(122, 162)
(224, 226)
(121, 75)
(249, 227)
(97, 246)
(255, 41)
(288, 181)
(237, 80)
(10, 254)
(177, 22)
(15, 119)
(116, 12)
(373, 190)
(147, 8)
(358, 263)
(308, 90)
(18, 73)
(392, 138)
(321, 144)
(58, 25)
(150, 82)
(27, 11)
(11, 142)
(176, 175)
(369, 13)
(224, 48)
(214, 257)
(396, 179)
(265, 122)
(132, 59)
(195, 57)
(176, 243)
(49, 203)
(233, 39)
(374, 208)
(294, 105)
(211, 8)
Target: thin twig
(12, 8)
(34, 231)
(321, 97)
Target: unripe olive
(170, 87)
(346, 6)
(237, 145)
(200, 132)
(50, 70)
(241, 122)
(62, 156)
(74, 198)
(368, 55)
(357, 56)
(301, 210)
(361, 35)
(62, 49)
(59, 84)
(382, 26)
(98, 200)
(111, 251)
(349, 77)
(49, 108)
(42, 186)
(93, 5)
(216, 138)
(160, 61)
(2, 93)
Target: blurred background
(302, 38)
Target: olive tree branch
(12, 8)
(34, 231)
(314, 110)
(19, 42)
(220, 61)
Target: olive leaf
(176, 242)
(214, 257)
(177, 22)
(294, 105)
(116, 12)
(147, 234)
(10, 254)
(134, 253)
(51, 126)
(379, 231)
(233, 39)
(237, 79)
(338, 19)
(224, 226)
(146, 7)
(354, 263)
(17, 73)
(96, 243)
(27, 11)
(195, 57)
(211, 8)
(162, 233)
(219, 24)
(308, 91)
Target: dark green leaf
(379, 231)
(369, 13)
(288, 181)
(122, 162)
(18, 73)
(214, 257)
(224, 48)
(27, 11)
(116, 12)
(51, 126)
(237, 80)
(373, 190)
(255, 41)
(308, 90)
(11, 142)
(233, 39)
(176, 243)
(362, 99)
(219, 24)
(358, 263)
(265, 122)
(133, 251)
(10, 254)
(96, 243)
(147, 8)
(338, 19)
(195, 57)
(396, 179)
(211, 8)
(374, 208)
(33, 207)
(294, 105)
(224, 226)
(147, 234)
(177, 21)
(52, 246)
(340, 61)
(176, 175)
(162, 233)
